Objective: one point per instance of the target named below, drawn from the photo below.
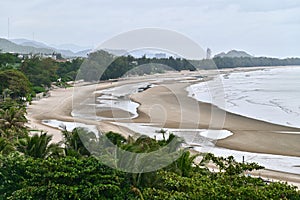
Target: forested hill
(227, 62)
(8, 46)
(233, 53)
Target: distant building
(23, 55)
(208, 53)
(134, 63)
(54, 56)
(50, 55)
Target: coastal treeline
(37, 74)
(29, 76)
(102, 65)
(233, 62)
(26, 77)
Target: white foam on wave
(269, 161)
(200, 142)
(203, 140)
(152, 130)
(69, 126)
(270, 95)
(119, 98)
(216, 134)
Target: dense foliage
(32, 168)
(14, 84)
(67, 71)
(102, 65)
(8, 60)
(23, 78)
(60, 178)
(228, 62)
(254, 62)
(40, 72)
(216, 186)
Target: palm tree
(5, 146)
(73, 144)
(12, 123)
(184, 164)
(38, 146)
(116, 138)
(160, 153)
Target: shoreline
(42, 110)
(261, 134)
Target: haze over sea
(271, 94)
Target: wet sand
(168, 104)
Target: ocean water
(203, 140)
(288, 164)
(200, 140)
(271, 94)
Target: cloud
(262, 27)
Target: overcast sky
(260, 27)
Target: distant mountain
(83, 53)
(31, 43)
(233, 54)
(72, 47)
(31, 46)
(116, 52)
(8, 46)
(149, 53)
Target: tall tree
(12, 123)
(16, 82)
(40, 72)
(6, 147)
(73, 144)
(39, 146)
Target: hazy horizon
(268, 28)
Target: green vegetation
(14, 84)
(254, 62)
(35, 75)
(32, 167)
(67, 71)
(233, 54)
(40, 72)
(8, 46)
(229, 62)
(60, 178)
(37, 172)
(25, 78)
(12, 121)
(28, 77)
(102, 65)
(38, 146)
(7, 60)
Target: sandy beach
(168, 103)
(249, 134)
(59, 106)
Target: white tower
(208, 53)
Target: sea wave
(270, 95)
